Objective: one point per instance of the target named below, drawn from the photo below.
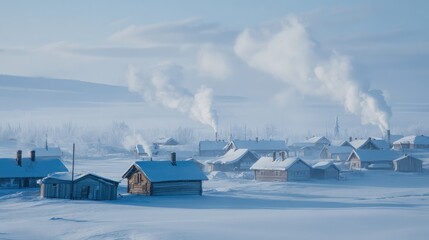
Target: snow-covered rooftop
(67, 177)
(231, 156)
(39, 168)
(163, 171)
(212, 145)
(376, 155)
(318, 140)
(339, 149)
(260, 145)
(267, 163)
(413, 139)
(323, 165)
(358, 143)
(381, 144)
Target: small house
(24, 172)
(325, 170)
(157, 178)
(211, 148)
(372, 159)
(281, 169)
(367, 144)
(260, 147)
(233, 160)
(408, 163)
(85, 187)
(412, 142)
(340, 153)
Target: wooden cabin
(412, 142)
(340, 153)
(372, 159)
(366, 144)
(157, 178)
(325, 170)
(233, 160)
(211, 148)
(407, 163)
(85, 187)
(22, 172)
(281, 169)
(260, 147)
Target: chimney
(283, 155)
(33, 155)
(388, 136)
(216, 136)
(257, 139)
(173, 158)
(350, 139)
(274, 156)
(19, 158)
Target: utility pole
(72, 178)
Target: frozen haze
(287, 53)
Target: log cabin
(158, 178)
(372, 159)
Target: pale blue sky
(97, 41)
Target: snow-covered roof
(324, 165)
(260, 145)
(358, 143)
(50, 152)
(406, 157)
(67, 177)
(375, 155)
(267, 163)
(381, 144)
(212, 145)
(339, 149)
(231, 156)
(319, 139)
(38, 168)
(413, 139)
(164, 171)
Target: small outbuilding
(85, 187)
(233, 160)
(372, 159)
(281, 169)
(157, 178)
(325, 170)
(408, 163)
(209, 148)
(412, 142)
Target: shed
(412, 142)
(325, 170)
(233, 160)
(372, 159)
(279, 169)
(408, 163)
(85, 187)
(157, 178)
(211, 148)
(24, 172)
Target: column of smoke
(131, 141)
(288, 54)
(164, 87)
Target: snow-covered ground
(364, 205)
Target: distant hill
(18, 92)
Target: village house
(319, 142)
(233, 160)
(260, 147)
(367, 144)
(281, 169)
(325, 170)
(311, 147)
(211, 148)
(372, 159)
(156, 178)
(340, 153)
(22, 172)
(85, 187)
(408, 163)
(412, 142)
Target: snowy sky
(234, 48)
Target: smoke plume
(131, 141)
(288, 54)
(164, 87)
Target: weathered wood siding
(355, 162)
(298, 171)
(176, 188)
(271, 175)
(332, 173)
(139, 184)
(408, 165)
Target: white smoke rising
(131, 141)
(212, 62)
(288, 54)
(164, 87)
